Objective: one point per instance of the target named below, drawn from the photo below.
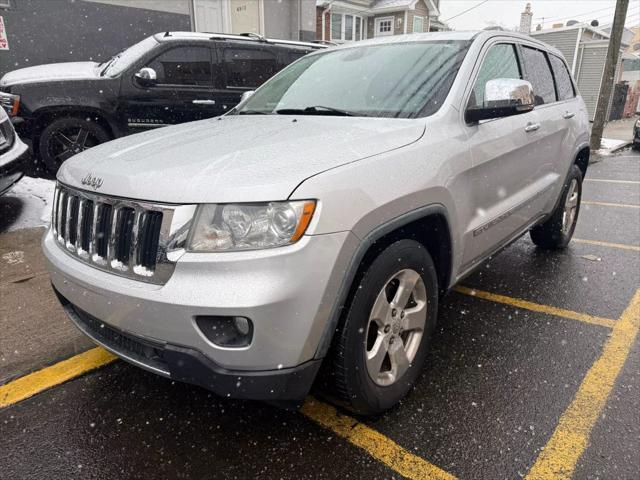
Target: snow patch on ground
(35, 197)
(610, 145)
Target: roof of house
(375, 6)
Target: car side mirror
(246, 95)
(503, 97)
(146, 76)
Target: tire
(67, 136)
(349, 378)
(556, 232)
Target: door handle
(568, 115)
(204, 102)
(532, 127)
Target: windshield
(120, 62)
(400, 80)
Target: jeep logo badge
(91, 181)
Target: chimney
(525, 20)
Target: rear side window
(501, 61)
(249, 67)
(563, 79)
(183, 66)
(538, 73)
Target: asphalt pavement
(534, 372)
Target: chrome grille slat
(125, 237)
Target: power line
(467, 10)
(574, 16)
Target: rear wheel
(557, 231)
(65, 137)
(381, 346)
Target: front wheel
(382, 344)
(67, 136)
(557, 231)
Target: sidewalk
(617, 134)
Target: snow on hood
(51, 71)
(245, 158)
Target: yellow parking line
(630, 182)
(36, 382)
(608, 204)
(536, 307)
(374, 443)
(571, 436)
(622, 246)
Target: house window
(336, 26)
(384, 26)
(345, 28)
(418, 24)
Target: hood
(240, 158)
(51, 72)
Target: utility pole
(606, 85)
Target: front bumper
(12, 165)
(288, 293)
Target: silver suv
(308, 234)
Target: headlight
(11, 103)
(249, 226)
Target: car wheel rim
(395, 328)
(570, 207)
(68, 142)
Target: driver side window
(183, 66)
(500, 62)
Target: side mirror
(246, 95)
(146, 76)
(503, 97)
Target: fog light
(226, 331)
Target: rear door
(508, 169)
(245, 67)
(184, 90)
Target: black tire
(552, 234)
(67, 136)
(346, 379)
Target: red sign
(4, 41)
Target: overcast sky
(506, 13)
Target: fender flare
(356, 261)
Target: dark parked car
(12, 153)
(636, 135)
(167, 78)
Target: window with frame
(346, 28)
(538, 73)
(385, 27)
(248, 67)
(183, 66)
(501, 61)
(418, 24)
(564, 84)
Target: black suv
(167, 78)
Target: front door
(184, 90)
(209, 16)
(511, 177)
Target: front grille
(125, 237)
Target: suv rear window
(563, 79)
(538, 73)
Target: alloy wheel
(395, 328)
(570, 207)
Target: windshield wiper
(314, 110)
(108, 64)
(252, 112)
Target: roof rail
(325, 42)
(257, 36)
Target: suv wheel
(65, 137)
(557, 231)
(382, 344)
